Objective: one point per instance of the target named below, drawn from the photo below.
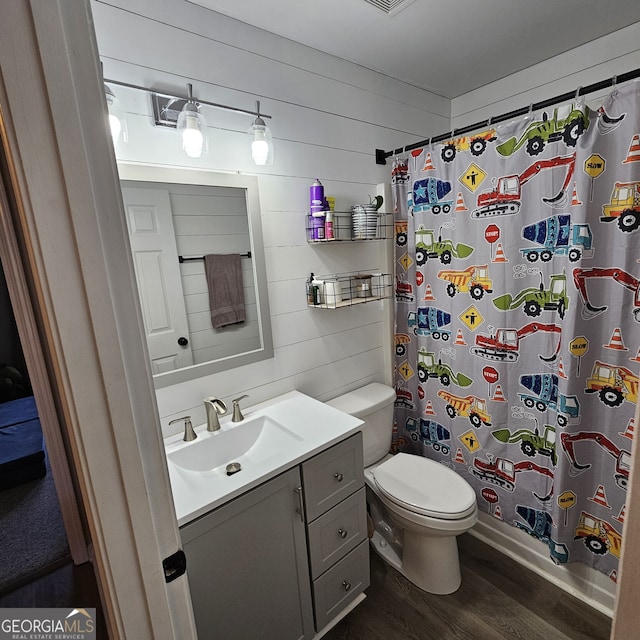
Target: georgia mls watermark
(47, 624)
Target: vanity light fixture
(184, 114)
(192, 127)
(117, 121)
(261, 141)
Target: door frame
(72, 236)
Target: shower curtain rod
(382, 155)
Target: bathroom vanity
(284, 553)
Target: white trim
(588, 585)
(75, 250)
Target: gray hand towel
(226, 293)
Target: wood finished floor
(498, 600)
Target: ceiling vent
(390, 7)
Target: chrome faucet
(237, 414)
(214, 408)
(189, 433)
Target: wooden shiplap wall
(328, 117)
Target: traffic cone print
(428, 294)
(459, 339)
(574, 198)
(637, 358)
(497, 512)
(460, 205)
(613, 575)
(561, 373)
(499, 257)
(429, 409)
(498, 396)
(428, 163)
(459, 457)
(634, 150)
(628, 432)
(616, 341)
(600, 497)
(620, 516)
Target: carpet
(33, 540)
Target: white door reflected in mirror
(175, 217)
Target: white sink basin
(248, 442)
(274, 436)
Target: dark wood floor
(498, 600)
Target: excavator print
(622, 457)
(504, 344)
(624, 279)
(502, 472)
(505, 197)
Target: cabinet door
(247, 566)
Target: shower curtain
(517, 336)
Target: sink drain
(233, 467)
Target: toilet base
(434, 569)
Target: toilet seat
(426, 487)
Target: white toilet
(418, 506)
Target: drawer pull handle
(342, 533)
(346, 585)
(338, 476)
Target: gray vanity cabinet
(247, 566)
(285, 559)
(336, 514)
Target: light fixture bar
(216, 105)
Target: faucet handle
(237, 414)
(189, 433)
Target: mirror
(176, 216)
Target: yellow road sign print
(471, 318)
(470, 441)
(473, 177)
(405, 261)
(405, 370)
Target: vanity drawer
(337, 532)
(332, 475)
(341, 584)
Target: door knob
(183, 342)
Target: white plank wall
(600, 59)
(328, 117)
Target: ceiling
(449, 47)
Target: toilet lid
(425, 486)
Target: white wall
(328, 117)
(601, 59)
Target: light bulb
(260, 147)
(192, 125)
(261, 143)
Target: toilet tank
(373, 404)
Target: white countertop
(314, 425)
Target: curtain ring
(489, 121)
(614, 80)
(530, 109)
(578, 92)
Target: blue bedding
(21, 443)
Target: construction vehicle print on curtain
(510, 246)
